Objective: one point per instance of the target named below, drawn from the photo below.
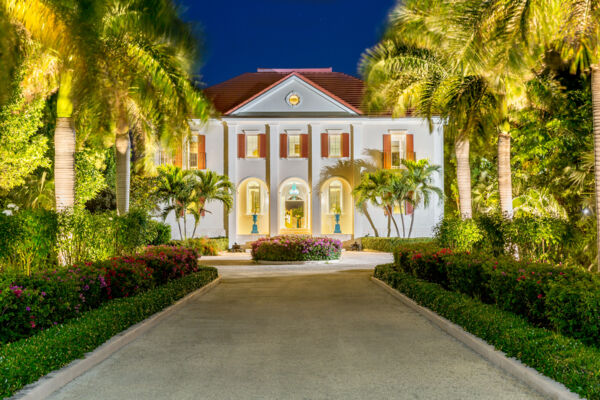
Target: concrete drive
(333, 335)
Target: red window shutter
(262, 145)
(387, 151)
(283, 146)
(324, 145)
(241, 145)
(345, 145)
(201, 152)
(408, 207)
(410, 147)
(178, 157)
(304, 146)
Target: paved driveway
(276, 333)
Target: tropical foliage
(296, 248)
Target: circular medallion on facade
(293, 99)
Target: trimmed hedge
(27, 360)
(296, 248)
(42, 300)
(563, 359)
(204, 246)
(389, 245)
(563, 299)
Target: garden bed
(27, 360)
(294, 249)
(564, 359)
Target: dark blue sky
(242, 35)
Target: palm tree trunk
(123, 168)
(596, 118)
(412, 221)
(391, 213)
(463, 176)
(389, 226)
(403, 225)
(504, 175)
(366, 212)
(64, 163)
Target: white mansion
(287, 139)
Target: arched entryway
(337, 207)
(294, 207)
(253, 207)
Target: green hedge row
(563, 359)
(564, 299)
(203, 245)
(390, 244)
(27, 360)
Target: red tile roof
(234, 92)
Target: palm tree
(176, 189)
(376, 187)
(209, 186)
(400, 188)
(148, 57)
(419, 174)
(413, 70)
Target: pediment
(294, 95)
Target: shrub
(390, 244)
(204, 246)
(27, 240)
(560, 298)
(561, 358)
(163, 233)
(458, 234)
(27, 360)
(32, 303)
(296, 248)
(536, 238)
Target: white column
(315, 173)
(273, 179)
(232, 132)
(357, 148)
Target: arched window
(253, 199)
(335, 197)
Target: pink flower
(540, 296)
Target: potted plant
(337, 211)
(298, 213)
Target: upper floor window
(193, 153)
(164, 157)
(294, 146)
(252, 146)
(398, 150)
(335, 145)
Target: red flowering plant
(44, 299)
(296, 248)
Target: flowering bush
(296, 248)
(561, 298)
(205, 246)
(31, 303)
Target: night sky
(242, 35)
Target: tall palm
(209, 186)
(149, 56)
(421, 74)
(400, 188)
(376, 187)
(420, 174)
(61, 32)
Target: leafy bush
(163, 233)
(560, 298)
(296, 248)
(32, 303)
(204, 246)
(458, 234)
(390, 244)
(536, 238)
(27, 360)
(27, 240)
(563, 359)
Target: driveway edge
(541, 383)
(55, 380)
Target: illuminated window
(193, 154)
(398, 150)
(253, 198)
(294, 146)
(164, 157)
(398, 208)
(335, 197)
(335, 145)
(252, 150)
